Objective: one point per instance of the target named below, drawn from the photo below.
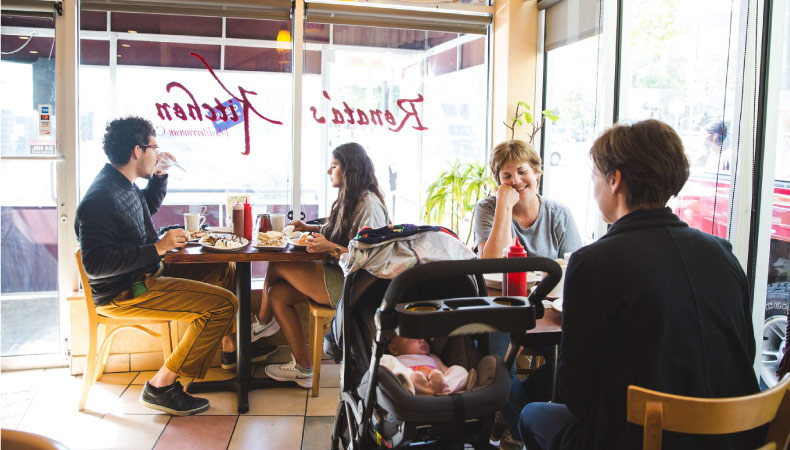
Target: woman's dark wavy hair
(358, 177)
(121, 135)
(651, 160)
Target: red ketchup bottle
(247, 220)
(517, 281)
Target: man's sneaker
(510, 442)
(261, 330)
(291, 372)
(173, 401)
(259, 354)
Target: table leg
(554, 373)
(243, 382)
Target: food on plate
(222, 241)
(271, 239)
(289, 230)
(303, 239)
(196, 234)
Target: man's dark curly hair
(121, 135)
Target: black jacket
(116, 233)
(659, 305)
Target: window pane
(406, 99)
(778, 292)
(567, 142)
(29, 247)
(675, 69)
(198, 120)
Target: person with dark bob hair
(653, 303)
(359, 204)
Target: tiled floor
(45, 402)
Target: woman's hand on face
(299, 225)
(506, 196)
(319, 244)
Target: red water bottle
(247, 220)
(517, 281)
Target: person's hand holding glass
(167, 164)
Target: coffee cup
(278, 221)
(193, 221)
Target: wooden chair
(101, 331)
(21, 440)
(318, 315)
(657, 411)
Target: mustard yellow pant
(198, 293)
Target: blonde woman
(542, 226)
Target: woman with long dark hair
(359, 204)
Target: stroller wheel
(345, 431)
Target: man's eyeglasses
(146, 147)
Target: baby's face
(406, 346)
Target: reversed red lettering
(194, 110)
(347, 109)
(315, 115)
(163, 107)
(338, 119)
(362, 118)
(210, 114)
(411, 113)
(375, 117)
(389, 117)
(179, 112)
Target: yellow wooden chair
(318, 320)
(657, 411)
(22, 440)
(101, 331)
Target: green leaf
(526, 106)
(520, 122)
(550, 115)
(528, 116)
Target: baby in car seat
(421, 372)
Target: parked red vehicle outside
(700, 208)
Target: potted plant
(455, 193)
(526, 116)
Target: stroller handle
(439, 269)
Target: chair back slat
(779, 431)
(86, 287)
(654, 423)
(694, 415)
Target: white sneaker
(260, 330)
(291, 372)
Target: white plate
(557, 304)
(269, 247)
(296, 244)
(203, 243)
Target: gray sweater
(552, 235)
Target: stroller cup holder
(467, 315)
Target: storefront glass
(188, 81)
(30, 308)
(678, 66)
(415, 100)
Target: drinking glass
(170, 167)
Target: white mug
(278, 221)
(193, 221)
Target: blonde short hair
(516, 151)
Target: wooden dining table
(547, 331)
(243, 382)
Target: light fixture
(283, 40)
(34, 51)
(126, 45)
(24, 38)
(118, 55)
(132, 31)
